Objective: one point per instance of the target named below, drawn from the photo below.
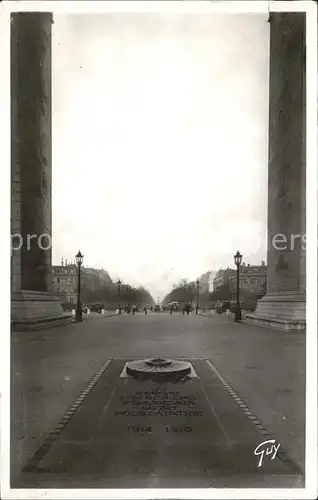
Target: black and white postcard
(159, 286)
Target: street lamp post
(198, 288)
(119, 306)
(79, 261)
(238, 260)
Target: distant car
(95, 307)
(157, 308)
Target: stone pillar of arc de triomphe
(284, 305)
(32, 300)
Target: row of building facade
(252, 278)
(65, 279)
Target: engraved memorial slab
(126, 432)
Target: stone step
(22, 326)
(277, 323)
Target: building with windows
(104, 277)
(64, 282)
(90, 279)
(252, 278)
(211, 279)
(222, 277)
(204, 282)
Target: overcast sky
(160, 143)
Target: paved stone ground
(50, 368)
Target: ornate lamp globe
(238, 258)
(79, 258)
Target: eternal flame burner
(158, 369)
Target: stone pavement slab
(125, 427)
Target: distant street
(51, 367)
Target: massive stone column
(31, 169)
(283, 306)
